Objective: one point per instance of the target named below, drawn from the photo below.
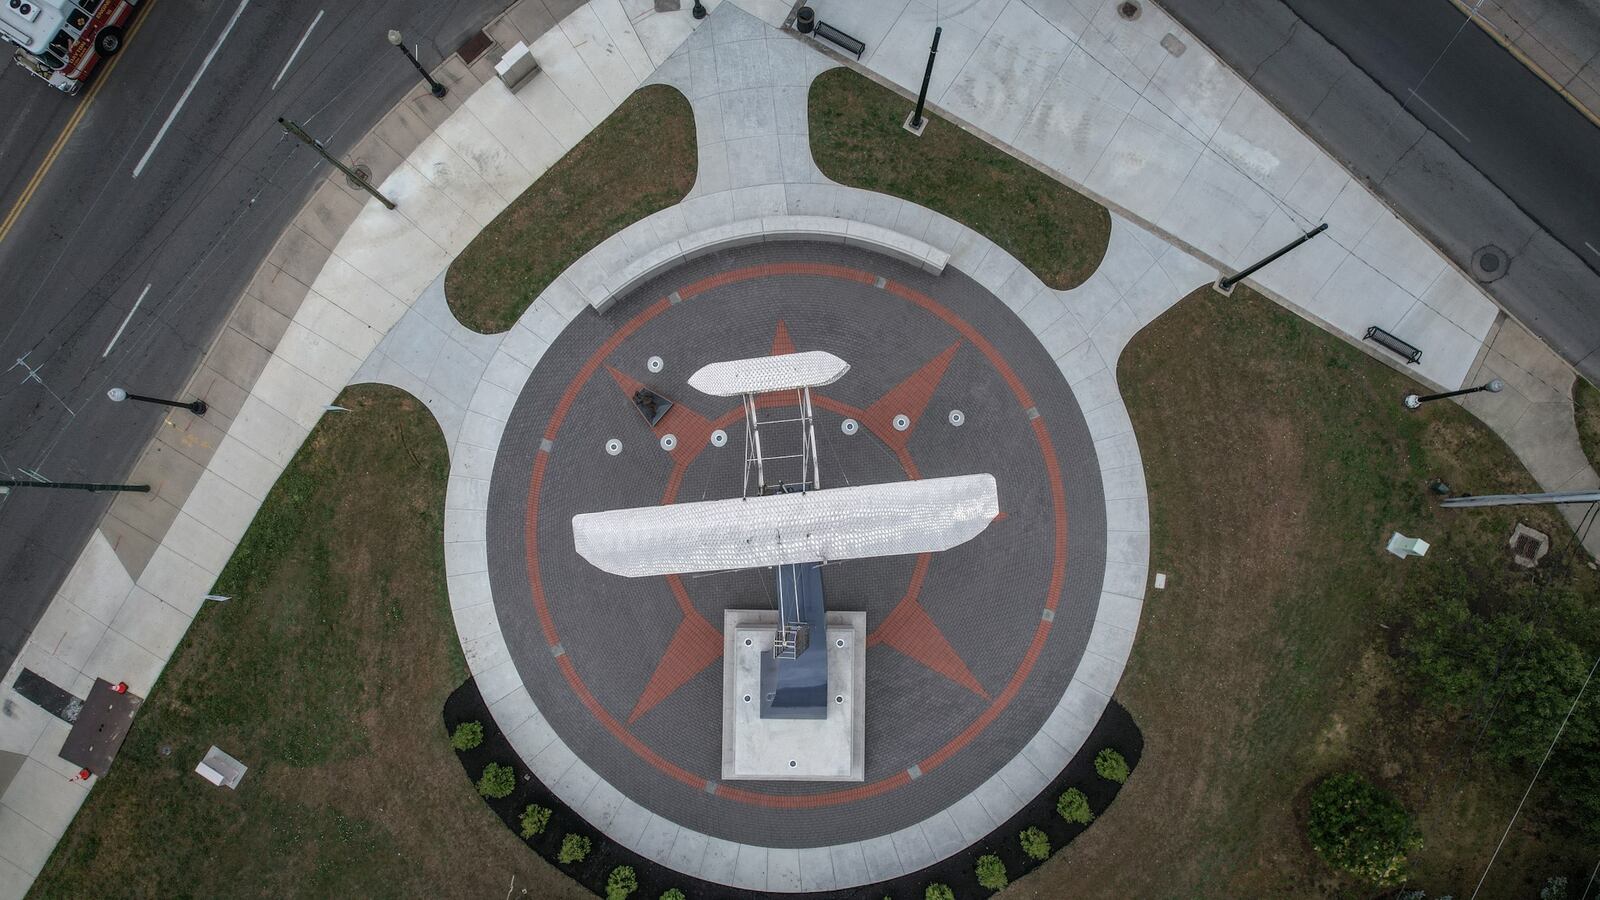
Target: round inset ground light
(1129, 10)
(669, 442)
(1489, 263)
(613, 446)
(655, 364)
(902, 422)
(849, 426)
(719, 438)
(958, 418)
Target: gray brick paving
(986, 596)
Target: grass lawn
(857, 139)
(326, 674)
(1279, 461)
(641, 159)
(1586, 398)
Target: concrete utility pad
(831, 749)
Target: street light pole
(117, 395)
(1412, 401)
(927, 75)
(356, 179)
(7, 485)
(434, 87)
(1226, 284)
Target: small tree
(1555, 888)
(620, 883)
(1361, 829)
(1073, 806)
(1035, 843)
(534, 819)
(574, 847)
(992, 872)
(1111, 766)
(938, 891)
(467, 736)
(497, 782)
(672, 894)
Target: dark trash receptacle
(805, 20)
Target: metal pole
(350, 173)
(927, 75)
(6, 485)
(198, 407)
(438, 90)
(1412, 401)
(1228, 283)
(1521, 499)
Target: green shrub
(620, 883)
(1361, 829)
(467, 736)
(1555, 888)
(992, 872)
(1074, 806)
(1111, 766)
(498, 781)
(1035, 843)
(938, 892)
(574, 847)
(1468, 637)
(672, 894)
(534, 819)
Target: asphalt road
(1460, 138)
(205, 208)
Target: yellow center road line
(101, 79)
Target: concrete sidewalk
(1142, 116)
(338, 280)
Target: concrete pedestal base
(753, 748)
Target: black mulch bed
(1115, 729)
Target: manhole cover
(1490, 262)
(1128, 10)
(1526, 546)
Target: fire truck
(62, 41)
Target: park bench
(1393, 344)
(850, 44)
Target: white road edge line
(125, 320)
(290, 61)
(190, 89)
(1591, 247)
(1440, 115)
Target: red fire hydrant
(83, 774)
(121, 687)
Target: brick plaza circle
(968, 650)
